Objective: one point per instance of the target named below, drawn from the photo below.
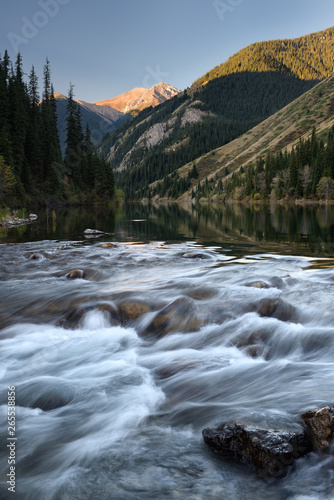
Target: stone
(192, 255)
(256, 351)
(108, 245)
(270, 451)
(130, 310)
(276, 308)
(178, 316)
(93, 231)
(33, 217)
(75, 274)
(320, 421)
(36, 256)
(258, 284)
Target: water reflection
(298, 230)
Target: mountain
(204, 117)
(290, 56)
(100, 119)
(282, 131)
(140, 98)
(106, 116)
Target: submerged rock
(76, 314)
(108, 245)
(130, 310)
(75, 274)
(269, 450)
(36, 256)
(276, 308)
(320, 421)
(179, 316)
(93, 231)
(49, 402)
(257, 284)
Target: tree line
(31, 164)
(232, 105)
(290, 56)
(307, 171)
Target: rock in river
(269, 450)
(320, 421)
(75, 274)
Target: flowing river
(185, 321)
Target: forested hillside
(252, 86)
(284, 157)
(309, 57)
(198, 120)
(31, 165)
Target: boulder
(130, 310)
(257, 284)
(194, 255)
(36, 256)
(75, 274)
(93, 231)
(276, 308)
(270, 451)
(108, 245)
(320, 421)
(178, 316)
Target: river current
(117, 372)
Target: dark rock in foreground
(320, 421)
(270, 451)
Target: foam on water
(108, 411)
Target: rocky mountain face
(140, 98)
(105, 117)
(100, 119)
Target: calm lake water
(164, 333)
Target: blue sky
(107, 47)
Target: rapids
(111, 405)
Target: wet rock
(276, 308)
(193, 255)
(108, 245)
(130, 310)
(93, 231)
(36, 256)
(202, 293)
(258, 284)
(320, 421)
(48, 402)
(269, 450)
(257, 351)
(179, 316)
(75, 315)
(75, 274)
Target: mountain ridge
(140, 98)
(284, 55)
(282, 131)
(103, 118)
(205, 117)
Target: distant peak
(59, 96)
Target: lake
(164, 333)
